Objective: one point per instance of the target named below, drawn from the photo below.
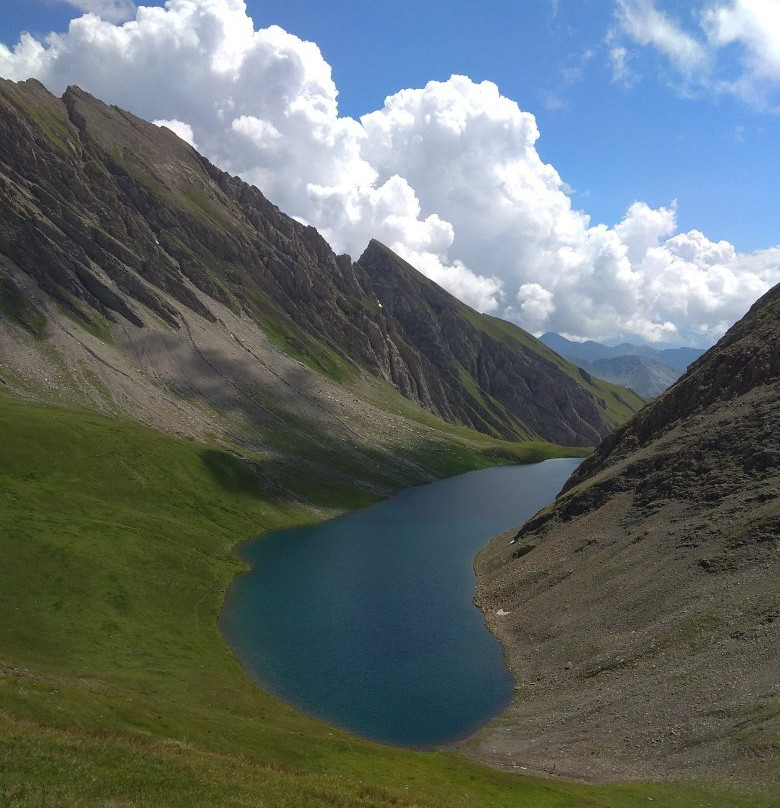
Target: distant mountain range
(642, 374)
(646, 370)
(590, 351)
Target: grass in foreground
(116, 688)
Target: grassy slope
(116, 688)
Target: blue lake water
(367, 620)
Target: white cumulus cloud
(447, 175)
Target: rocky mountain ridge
(116, 228)
(640, 612)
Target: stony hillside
(139, 279)
(640, 613)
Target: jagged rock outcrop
(642, 626)
(122, 226)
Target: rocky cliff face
(521, 388)
(116, 228)
(640, 613)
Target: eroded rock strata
(116, 227)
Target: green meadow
(116, 687)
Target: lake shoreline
(384, 689)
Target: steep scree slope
(640, 613)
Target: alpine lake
(367, 621)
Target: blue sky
(613, 144)
(667, 104)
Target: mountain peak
(117, 224)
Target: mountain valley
(183, 366)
